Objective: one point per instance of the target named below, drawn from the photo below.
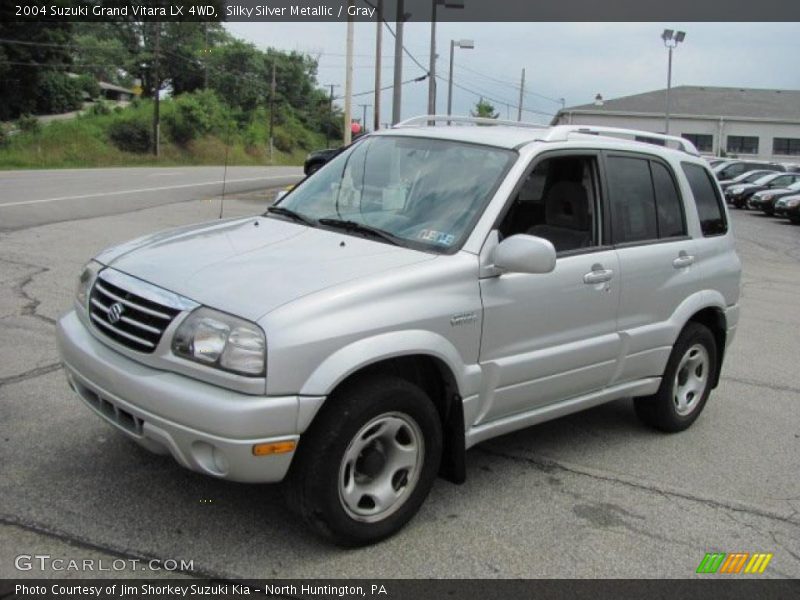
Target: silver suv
(428, 289)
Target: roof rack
(431, 120)
(561, 133)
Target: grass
(83, 142)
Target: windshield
(767, 178)
(425, 193)
(750, 177)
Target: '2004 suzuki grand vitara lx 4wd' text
(429, 288)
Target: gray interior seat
(567, 222)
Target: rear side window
(645, 202)
(633, 203)
(668, 203)
(707, 200)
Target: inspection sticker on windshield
(438, 237)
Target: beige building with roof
(721, 121)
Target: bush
(100, 108)
(194, 115)
(283, 141)
(131, 135)
(88, 86)
(58, 93)
(29, 124)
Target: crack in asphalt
(29, 309)
(770, 386)
(549, 465)
(32, 374)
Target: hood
(249, 267)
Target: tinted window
(786, 146)
(633, 204)
(707, 200)
(668, 203)
(742, 144)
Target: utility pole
(330, 113)
(432, 63)
(364, 108)
(376, 115)
(397, 95)
(348, 79)
(157, 90)
(521, 91)
(273, 88)
(205, 58)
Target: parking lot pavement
(590, 495)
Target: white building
(735, 122)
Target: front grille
(128, 319)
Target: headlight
(767, 197)
(85, 281)
(222, 341)
(793, 202)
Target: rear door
(656, 258)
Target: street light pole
(466, 44)
(432, 62)
(397, 91)
(671, 40)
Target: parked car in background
(316, 159)
(733, 168)
(748, 177)
(713, 162)
(738, 195)
(789, 207)
(792, 167)
(766, 199)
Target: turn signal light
(274, 448)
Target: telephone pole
(397, 95)
(205, 58)
(376, 114)
(521, 91)
(157, 90)
(364, 108)
(348, 80)
(330, 113)
(272, 112)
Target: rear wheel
(367, 462)
(686, 383)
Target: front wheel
(367, 462)
(686, 383)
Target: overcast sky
(574, 61)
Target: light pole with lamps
(467, 45)
(671, 40)
(432, 58)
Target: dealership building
(722, 121)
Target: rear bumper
(206, 428)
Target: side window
(633, 203)
(707, 200)
(557, 201)
(668, 203)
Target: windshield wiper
(361, 228)
(288, 212)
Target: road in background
(38, 197)
(594, 494)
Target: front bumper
(206, 428)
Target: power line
(509, 84)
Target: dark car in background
(733, 168)
(789, 207)
(738, 195)
(316, 159)
(766, 199)
(748, 177)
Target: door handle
(598, 275)
(683, 260)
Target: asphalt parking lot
(592, 495)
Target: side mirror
(525, 254)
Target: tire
(372, 431)
(686, 383)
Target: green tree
(485, 110)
